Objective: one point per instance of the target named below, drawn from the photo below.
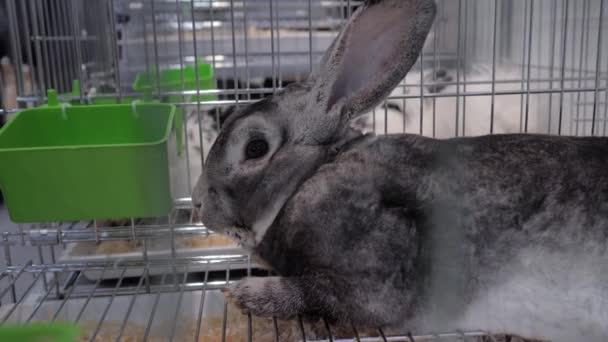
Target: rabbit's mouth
(242, 235)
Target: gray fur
(506, 233)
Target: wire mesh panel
(502, 66)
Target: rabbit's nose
(197, 193)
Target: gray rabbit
(504, 233)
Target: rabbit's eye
(256, 149)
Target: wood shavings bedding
(211, 330)
(237, 331)
(128, 246)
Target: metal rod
(563, 70)
(240, 260)
(146, 48)
(434, 118)
(133, 238)
(382, 335)
(280, 82)
(187, 115)
(45, 46)
(41, 301)
(172, 242)
(605, 110)
(249, 317)
(145, 257)
(11, 285)
(51, 60)
(52, 252)
(9, 262)
(464, 76)
(310, 65)
(28, 39)
(523, 66)
(572, 64)
(530, 26)
(234, 71)
(38, 47)
(225, 313)
(201, 305)
(179, 304)
(494, 39)
(41, 258)
(246, 46)
(180, 43)
(272, 53)
(275, 325)
(155, 40)
(586, 53)
(197, 77)
(115, 51)
(552, 64)
(374, 120)
(21, 233)
(131, 304)
(421, 91)
(328, 329)
(78, 47)
(539, 47)
(96, 229)
(2, 109)
(385, 116)
(457, 70)
(25, 293)
(90, 295)
(155, 305)
(598, 67)
(178, 11)
(15, 43)
(105, 311)
(580, 65)
(301, 326)
(357, 338)
(65, 299)
(349, 8)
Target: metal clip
(44, 237)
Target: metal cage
(487, 67)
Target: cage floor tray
(164, 316)
(123, 250)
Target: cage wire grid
(537, 66)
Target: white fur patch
(244, 237)
(559, 297)
(265, 220)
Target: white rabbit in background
(474, 112)
(186, 169)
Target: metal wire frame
(227, 27)
(486, 35)
(143, 268)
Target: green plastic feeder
(40, 332)
(171, 81)
(74, 97)
(68, 163)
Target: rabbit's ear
(372, 54)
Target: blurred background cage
(535, 66)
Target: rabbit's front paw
(264, 297)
